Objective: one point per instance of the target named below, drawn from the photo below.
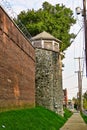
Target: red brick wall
(65, 97)
(17, 65)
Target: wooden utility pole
(80, 84)
(85, 28)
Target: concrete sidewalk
(75, 122)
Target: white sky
(70, 79)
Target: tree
(76, 103)
(56, 20)
(85, 100)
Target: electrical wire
(69, 77)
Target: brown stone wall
(17, 65)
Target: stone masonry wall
(17, 66)
(49, 80)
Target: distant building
(48, 80)
(65, 101)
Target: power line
(73, 88)
(69, 77)
(78, 32)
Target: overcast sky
(70, 79)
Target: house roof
(44, 36)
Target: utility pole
(80, 84)
(85, 29)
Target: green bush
(84, 117)
(67, 113)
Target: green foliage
(84, 117)
(85, 95)
(37, 118)
(85, 103)
(56, 20)
(67, 113)
(85, 100)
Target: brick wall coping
(16, 26)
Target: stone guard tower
(49, 92)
